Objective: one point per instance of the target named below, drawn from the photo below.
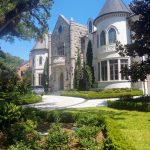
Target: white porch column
(108, 71)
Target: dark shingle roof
(112, 6)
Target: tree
(24, 19)
(46, 76)
(140, 47)
(89, 59)
(82, 75)
(77, 71)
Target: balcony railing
(107, 48)
(58, 60)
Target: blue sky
(79, 10)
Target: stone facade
(65, 43)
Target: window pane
(112, 36)
(97, 41)
(104, 70)
(103, 38)
(114, 75)
(124, 64)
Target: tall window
(98, 71)
(112, 36)
(124, 64)
(60, 51)
(104, 70)
(97, 41)
(82, 44)
(40, 60)
(33, 80)
(40, 79)
(103, 38)
(114, 70)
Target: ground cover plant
(139, 104)
(99, 93)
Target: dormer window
(103, 38)
(112, 36)
(40, 60)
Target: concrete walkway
(52, 102)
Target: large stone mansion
(61, 47)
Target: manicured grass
(99, 94)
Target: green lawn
(100, 94)
(127, 127)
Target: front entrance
(61, 82)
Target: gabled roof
(41, 44)
(112, 6)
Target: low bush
(57, 138)
(9, 114)
(24, 131)
(19, 146)
(89, 120)
(139, 104)
(99, 94)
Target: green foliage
(24, 19)
(19, 146)
(57, 138)
(9, 79)
(46, 76)
(77, 71)
(140, 47)
(82, 75)
(114, 139)
(29, 98)
(9, 114)
(24, 131)
(89, 59)
(87, 132)
(12, 62)
(89, 120)
(139, 104)
(100, 94)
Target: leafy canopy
(24, 19)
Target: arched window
(112, 36)
(103, 38)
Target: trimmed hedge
(114, 139)
(99, 94)
(28, 99)
(139, 104)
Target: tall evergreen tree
(77, 71)
(45, 79)
(89, 59)
(140, 46)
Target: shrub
(89, 120)
(9, 114)
(19, 146)
(57, 138)
(24, 131)
(139, 104)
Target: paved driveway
(51, 102)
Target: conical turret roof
(112, 6)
